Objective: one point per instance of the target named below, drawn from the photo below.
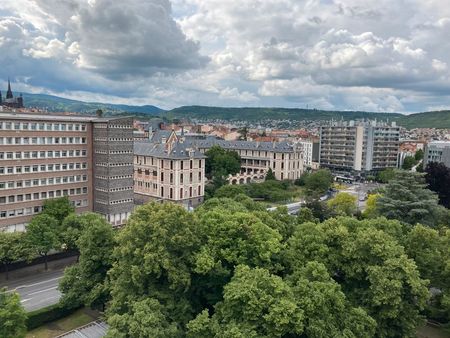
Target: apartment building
(437, 151)
(307, 147)
(166, 168)
(359, 147)
(49, 156)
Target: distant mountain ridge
(435, 119)
(59, 104)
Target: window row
(103, 164)
(113, 152)
(39, 182)
(115, 189)
(35, 210)
(42, 168)
(115, 139)
(41, 126)
(120, 177)
(18, 155)
(43, 195)
(41, 140)
(100, 201)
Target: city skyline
(343, 55)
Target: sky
(373, 55)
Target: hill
(431, 119)
(258, 114)
(59, 104)
(437, 119)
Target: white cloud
(379, 55)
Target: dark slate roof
(159, 134)
(244, 145)
(180, 151)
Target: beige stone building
(167, 168)
(172, 167)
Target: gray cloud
(379, 55)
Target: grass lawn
(77, 319)
(433, 332)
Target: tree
(42, 235)
(343, 204)
(229, 191)
(308, 304)
(13, 247)
(418, 156)
(371, 206)
(438, 179)
(153, 259)
(85, 282)
(318, 183)
(306, 215)
(221, 162)
(370, 266)
(244, 133)
(409, 162)
(385, 175)
(12, 315)
(147, 318)
(407, 199)
(270, 176)
(58, 208)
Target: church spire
(9, 94)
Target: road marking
(40, 291)
(39, 283)
(25, 300)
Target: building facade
(172, 167)
(167, 169)
(437, 151)
(48, 156)
(359, 147)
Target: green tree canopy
(13, 247)
(221, 162)
(85, 282)
(343, 204)
(407, 199)
(153, 259)
(371, 267)
(385, 175)
(12, 315)
(409, 162)
(270, 176)
(42, 234)
(317, 183)
(437, 176)
(58, 208)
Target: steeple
(9, 94)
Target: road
(37, 291)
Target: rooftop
(52, 117)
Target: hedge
(48, 314)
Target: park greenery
(231, 268)
(219, 164)
(12, 315)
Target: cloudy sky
(376, 55)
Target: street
(38, 290)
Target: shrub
(48, 314)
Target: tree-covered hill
(59, 104)
(438, 119)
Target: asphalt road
(38, 290)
